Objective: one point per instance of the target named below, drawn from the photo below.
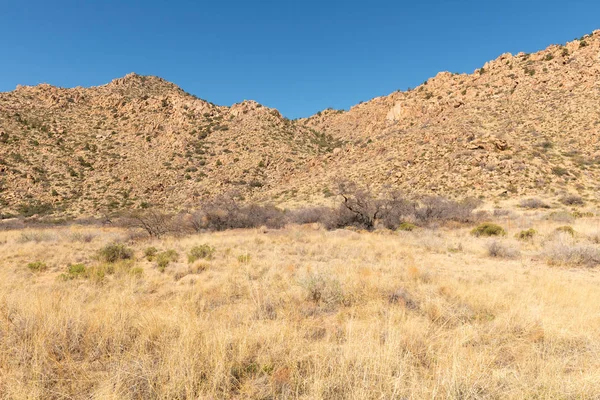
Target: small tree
(359, 207)
(155, 223)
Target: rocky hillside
(522, 124)
(141, 141)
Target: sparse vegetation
(37, 266)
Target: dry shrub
(533, 203)
(572, 200)
(502, 249)
(37, 237)
(563, 249)
(225, 213)
(561, 216)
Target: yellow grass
(304, 313)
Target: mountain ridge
(522, 124)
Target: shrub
(563, 250)
(321, 289)
(201, 251)
(150, 253)
(225, 213)
(407, 226)
(526, 234)
(431, 209)
(561, 216)
(566, 229)
(164, 258)
(36, 236)
(114, 252)
(37, 266)
(488, 229)
(74, 271)
(155, 223)
(572, 200)
(500, 249)
(533, 203)
(136, 271)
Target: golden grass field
(301, 313)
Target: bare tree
(154, 222)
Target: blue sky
(297, 56)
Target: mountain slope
(141, 140)
(527, 123)
(523, 124)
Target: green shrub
(164, 258)
(407, 226)
(488, 229)
(201, 251)
(150, 253)
(566, 229)
(74, 271)
(114, 252)
(136, 271)
(37, 266)
(526, 234)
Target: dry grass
(298, 313)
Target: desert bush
(37, 266)
(226, 213)
(488, 229)
(201, 251)
(527, 234)
(566, 229)
(311, 215)
(74, 271)
(164, 258)
(572, 200)
(533, 203)
(561, 216)
(564, 250)
(150, 253)
(322, 289)
(36, 236)
(501, 249)
(114, 252)
(432, 209)
(84, 237)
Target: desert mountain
(522, 124)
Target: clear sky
(299, 56)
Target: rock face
(522, 124)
